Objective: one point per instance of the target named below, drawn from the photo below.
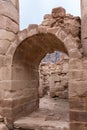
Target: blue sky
(32, 11)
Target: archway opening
(53, 88)
(25, 75)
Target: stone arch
(25, 54)
(9, 101)
(67, 40)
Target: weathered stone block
(75, 63)
(5, 9)
(6, 73)
(32, 29)
(78, 88)
(58, 12)
(22, 35)
(75, 53)
(78, 103)
(80, 116)
(4, 45)
(78, 126)
(42, 29)
(78, 75)
(6, 35)
(48, 16)
(52, 30)
(8, 24)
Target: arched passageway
(23, 57)
(11, 105)
(25, 54)
(25, 77)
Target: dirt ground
(53, 114)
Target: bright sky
(32, 11)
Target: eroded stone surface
(58, 31)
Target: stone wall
(9, 27)
(58, 32)
(54, 78)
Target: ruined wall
(58, 32)
(69, 23)
(54, 78)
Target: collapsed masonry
(69, 23)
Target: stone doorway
(25, 55)
(53, 112)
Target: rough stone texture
(20, 62)
(9, 27)
(54, 78)
(84, 26)
(68, 23)
(58, 12)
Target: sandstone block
(69, 42)
(58, 12)
(61, 35)
(75, 53)
(84, 63)
(5, 9)
(5, 73)
(22, 35)
(4, 45)
(80, 116)
(52, 30)
(48, 23)
(78, 103)
(42, 29)
(32, 29)
(78, 88)
(48, 16)
(78, 126)
(6, 35)
(78, 75)
(75, 63)
(8, 24)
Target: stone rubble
(69, 23)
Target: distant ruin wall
(54, 78)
